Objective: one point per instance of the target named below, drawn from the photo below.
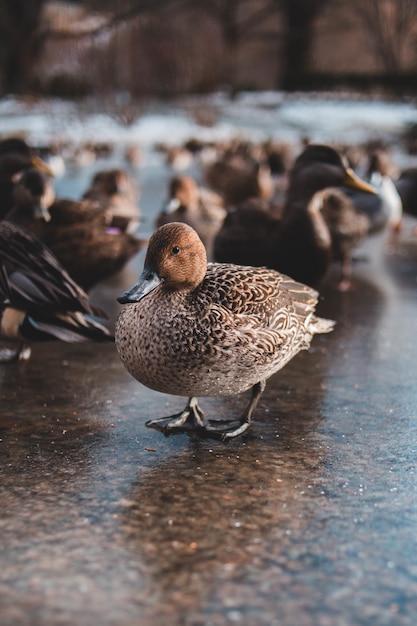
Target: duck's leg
(225, 429)
(191, 413)
(345, 281)
(25, 352)
(22, 353)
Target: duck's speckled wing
(265, 317)
(257, 291)
(238, 327)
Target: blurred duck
(238, 176)
(347, 228)
(381, 174)
(318, 168)
(134, 155)
(298, 242)
(384, 207)
(39, 301)
(406, 185)
(79, 233)
(33, 194)
(78, 156)
(15, 157)
(179, 158)
(254, 234)
(279, 156)
(120, 193)
(200, 208)
(247, 234)
(51, 154)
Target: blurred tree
(153, 47)
(23, 33)
(21, 42)
(299, 16)
(159, 53)
(116, 12)
(154, 44)
(391, 25)
(239, 20)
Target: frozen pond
(310, 520)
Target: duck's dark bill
(147, 282)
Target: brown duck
(78, 232)
(39, 301)
(120, 194)
(193, 329)
(199, 207)
(298, 241)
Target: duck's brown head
(184, 190)
(176, 258)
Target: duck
(383, 208)
(319, 168)
(177, 158)
(406, 185)
(35, 205)
(79, 232)
(200, 207)
(238, 175)
(120, 193)
(39, 301)
(193, 328)
(16, 156)
(382, 175)
(134, 155)
(347, 228)
(247, 233)
(278, 156)
(255, 233)
(295, 239)
(33, 195)
(51, 153)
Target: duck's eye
(175, 250)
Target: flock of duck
(228, 291)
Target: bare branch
(251, 22)
(390, 24)
(147, 6)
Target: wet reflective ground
(309, 520)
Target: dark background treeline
(171, 47)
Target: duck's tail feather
(320, 325)
(72, 327)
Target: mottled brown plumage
(217, 330)
(79, 232)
